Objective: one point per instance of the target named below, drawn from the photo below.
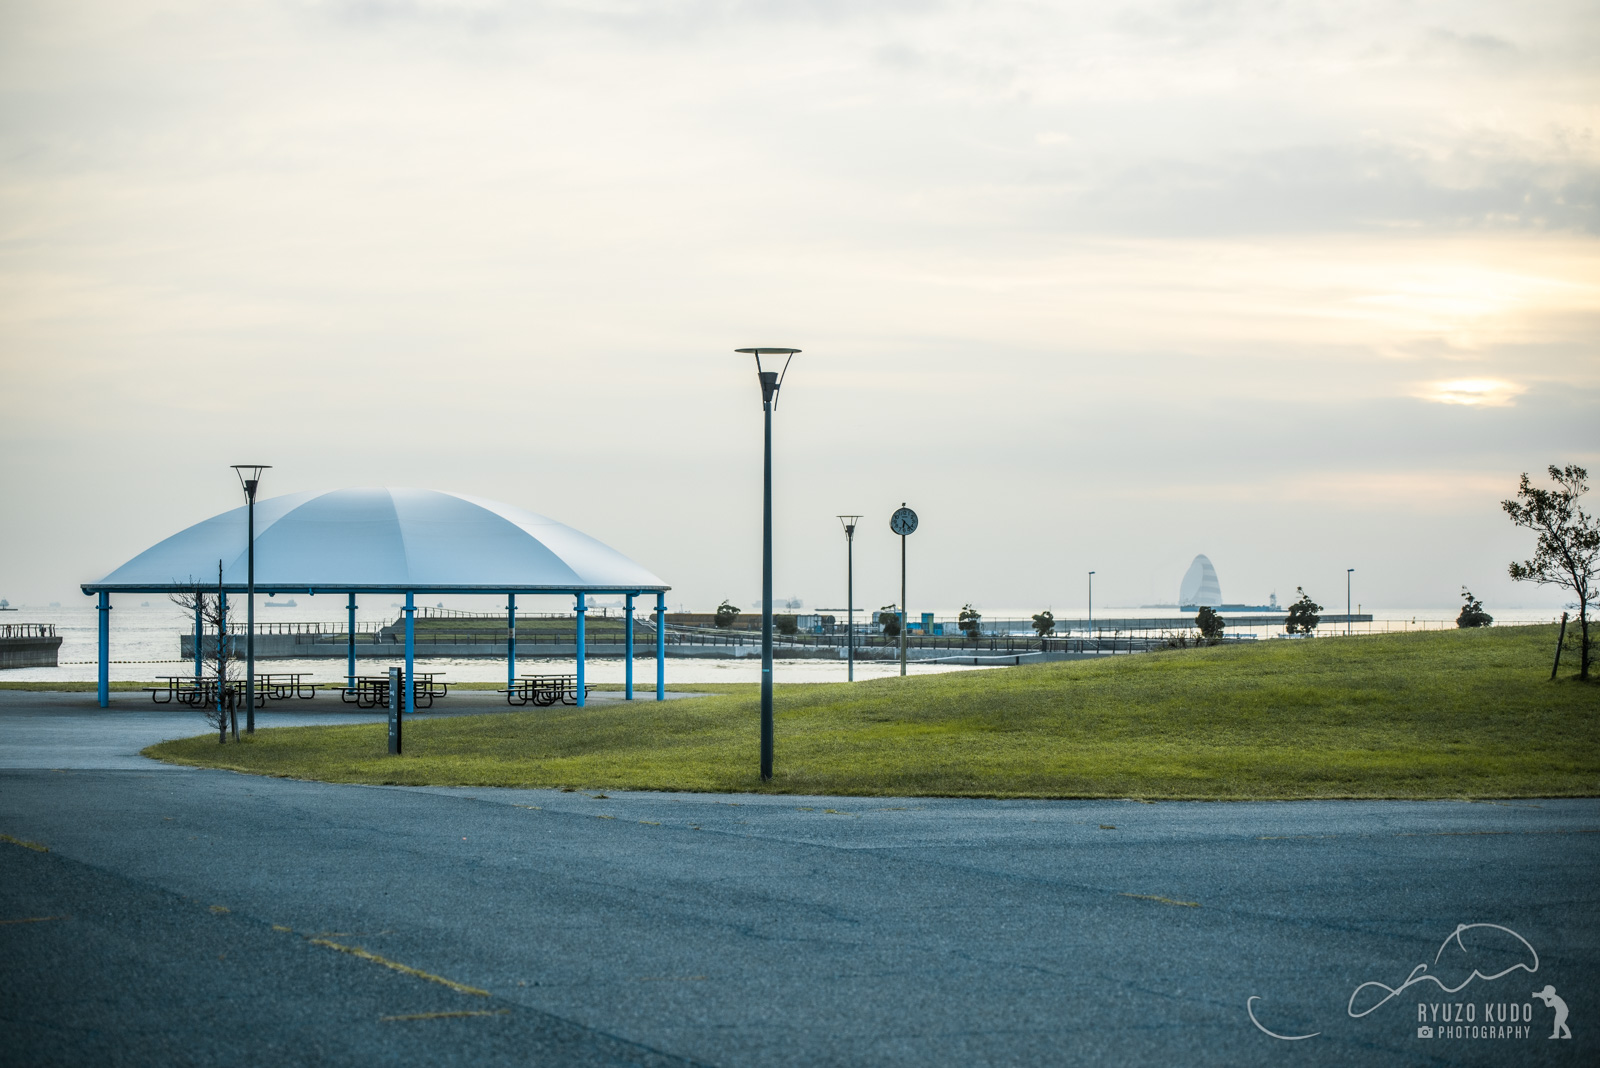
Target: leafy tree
(786, 624)
(1472, 613)
(1304, 614)
(1045, 623)
(1210, 624)
(1568, 547)
(726, 614)
(889, 620)
(969, 621)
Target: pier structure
(387, 542)
(28, 645)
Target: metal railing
(27, 630)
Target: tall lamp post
(771, 381)
(250, 478)
(1347, 573)
(1091, 604)
(903, 523)
(849, 522)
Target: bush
(785, 624)
(1304, 614)
(969, 621)
(1472, 613)
(1045, 623)
(726, 614)
(1210, 624)
(889, 620)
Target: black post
(397, 702)
(1559, 639)
(250, 619)
(850, 597)
(769, 384)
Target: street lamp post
(771, 381)
(250, 478)
(1091, 604)
(1347, 573)
(849, 522)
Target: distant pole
(511, 641)
(1559, 639)
(771, 382)
(1347, 573)
(661, 647)
(1091, 604)
(849, 522)
(627, 678)
(582, 650)
(350, 647)
(903, 523)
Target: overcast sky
(1091, 286)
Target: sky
(1303, 287)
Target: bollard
(397, 702)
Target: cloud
(1484, 392)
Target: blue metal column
(350, 666)
(105, 649)
(511, 641)
(627, 684)
(222, 643)
(661, 647)
(411, 651)
(582, 610)
(199, 636)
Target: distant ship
(280, 604)
(1271, 606)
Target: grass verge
(1451, 714)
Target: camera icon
(1424, 1032)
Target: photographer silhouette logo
(1550, 998)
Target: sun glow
(1487, 392)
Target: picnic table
(372, 691)
(544, 690)
(202, 692)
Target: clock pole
(905, 617)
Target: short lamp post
(250, 478)
(849, 522)
(771, 381)
(1347, 573)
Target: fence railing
(27, 630)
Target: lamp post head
(770, 380)
(849, 522)
(250, 477)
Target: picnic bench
(372, 691)
(544, 690)
(202, 692)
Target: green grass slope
(1453, 714)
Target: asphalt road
(204, 917)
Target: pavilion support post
(411, 651)
(627, 677)
(511, 641)
(350, 659)
(661, 647)
(104, 689)
(582, 653)
(199, 636)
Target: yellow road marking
(33, 919)
(1164, 900)
(651, 823)
(24, 843)
(671, 978)
(446, 1015)
(357, 951)
(220, 909)
(1108, 826)
(281, 927)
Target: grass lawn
(1440, 714)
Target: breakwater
(25, 645)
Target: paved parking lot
(207, 917)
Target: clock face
(904, 521)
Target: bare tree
(215, 616)
(1568, 548)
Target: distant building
(1200, 588)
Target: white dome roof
(383, 539)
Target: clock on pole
(903, 522)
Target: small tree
(786, 624)
(1210, 624)
(889, 620)
(1045, 623)
(215, 616)
(1472, 613)
(726, 614)
(1568, 548)
(969, 621)
(1304, 614)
